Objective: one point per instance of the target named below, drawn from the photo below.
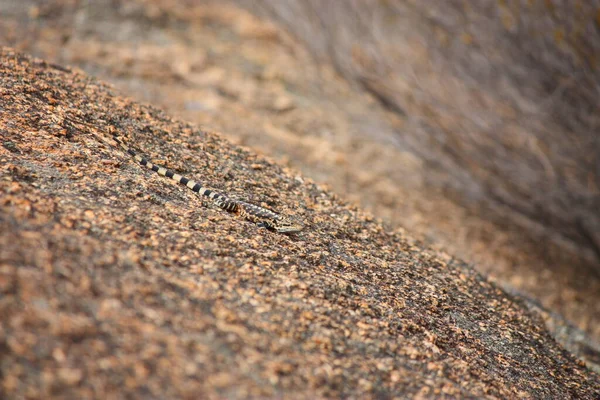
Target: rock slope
(205, 63)
(116, 282)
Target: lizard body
(260, 215)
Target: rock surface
(221, 67)
(116, 282)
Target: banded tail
(260, 215)
(220, 199)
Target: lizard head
(285, 224)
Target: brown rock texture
(257, 82)
(498, 98)
(115, 282)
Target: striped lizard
(262, 216)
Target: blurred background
(471, 125)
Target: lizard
(262, 216)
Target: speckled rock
(116, 282)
